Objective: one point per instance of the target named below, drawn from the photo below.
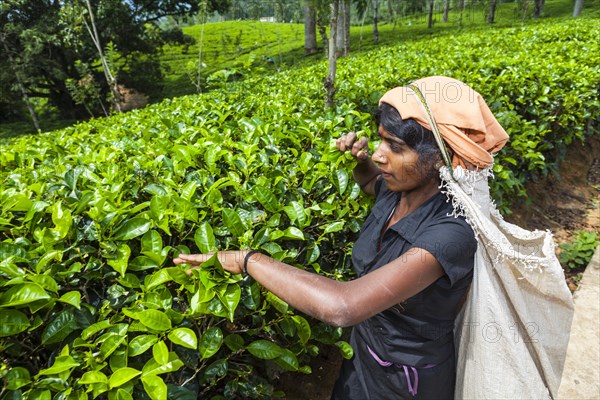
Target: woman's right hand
(232, 261)
(358, 148)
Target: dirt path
(568, 204)
(581, 377)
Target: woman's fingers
(350, 139)
(345, 142)
(360, 148)
(231, 261)
(194, 259)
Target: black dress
(407, 351)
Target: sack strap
(434, 128)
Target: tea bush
(91, 305)
(92, 215)
(577, 254)
(541, 82)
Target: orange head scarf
(463, 118)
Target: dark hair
(411, 132)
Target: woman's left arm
(336, 303)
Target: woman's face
(399, 165)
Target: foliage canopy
(47, 45)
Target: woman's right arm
(333, 302)
(366, 172)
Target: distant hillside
(244, 45)
(240, 49)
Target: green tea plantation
(91, 305)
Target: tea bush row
(90, 216)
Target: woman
(413, 258)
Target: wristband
(250, 253)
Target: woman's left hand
(232, 261)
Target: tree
(343, 28)
(218, 6)
(31, 36)
(347, 22)
(342, 25)
(430, 15)
(538, 8)
(287, 10)
(577, 8)
(375, 21)
(310, 27)
(524, 8)
(323, 11)
(461, 8)
(492, 14)
(391, 11)
(49, 37)
(446, 10)
(111, 81)
(19, 82)
(329, 83)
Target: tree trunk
(343, 28)
(578, 7)
(400, 11)
(492, 11)
(375, 20)
(524, 9)
(34, 119)
(340, 29)
(430, 17)
(391, 11)
(279, 11)
(329, 83)
(110, 79)
(323, 34)
(446, 10)
(347, 20)
(310, 28)
(538, 8)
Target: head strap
(434, 128)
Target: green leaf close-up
(12, 322)
(265, 349)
